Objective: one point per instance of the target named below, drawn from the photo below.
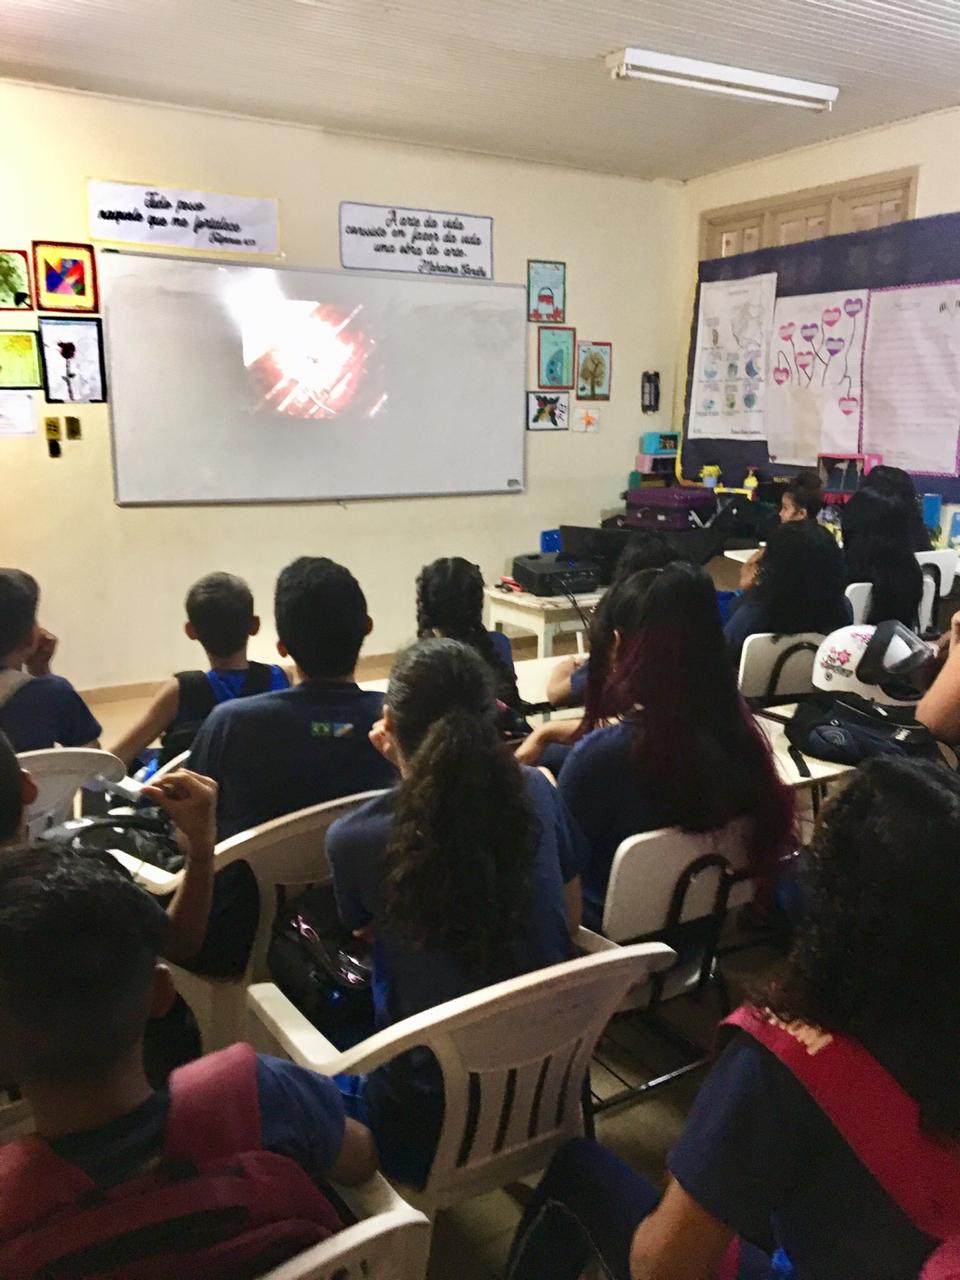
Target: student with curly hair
(450, 603)
(875, 973)
(466, 874)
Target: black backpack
(197, 700)
(850, 729)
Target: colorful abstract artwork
(72, 353)
(65, 276)
(548, 412)
(555, 352)
(15, 281)
(19, 360)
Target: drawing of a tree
(12, 280)
(593, 370)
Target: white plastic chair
(390, 1241)
(513, 1057)
(860, 595)
(59, 774)
(287, 852)
(928, 604)
(946, 562)
(176, 763)
(677, 885)
(759, 659)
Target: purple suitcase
(668, 509)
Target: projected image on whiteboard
(310, 360)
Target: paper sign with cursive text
(381, 237)
(137, 214)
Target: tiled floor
(471, 1241)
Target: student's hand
(531, 749)
(38, 664)
(385, 742)
(191, 801)
(748, 573)
(955, 631)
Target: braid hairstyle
(450, 601)
(459, 862)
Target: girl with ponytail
(467, 873)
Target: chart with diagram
(730, 370)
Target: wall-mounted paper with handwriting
(137, 214)
(382, 237)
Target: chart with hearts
(815, 393)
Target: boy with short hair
(274, 754)
(203, 1176)
(220, 615)
(38, 710)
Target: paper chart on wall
(816, 363)
(911, 374)
(730, 369)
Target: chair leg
(589, 1110)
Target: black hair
(450, 601)
(220, 606)
(19, 596)
(878, 954)
(696, 747)
(895, 483)
(11, 793)
(321, 617)
(800, 581)
(648, 550)
(78, 944)
(878, 549)
(806, 492)
(459, 862)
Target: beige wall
(113, 580)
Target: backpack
(850, 729)
(214, 1205)
(879, 1122)
(147, 834)
(198, 697)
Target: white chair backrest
(59, 774)
(647, 868)
(928, 603)
(176, 763)
(946, 562)
(860, 595)
(287, 851)
(759, 658)
(388, 1246)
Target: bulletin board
(920, 252)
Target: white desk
(545, 616)
(742, 556)
(821, 771)
(532, 677)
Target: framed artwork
(556, 347)
(15, 292)
(548, 412)
(19, 360)
(546, 291)
(594, 367)
(587, 420)
(65, 276)
(72, 353)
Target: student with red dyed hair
(683, 749)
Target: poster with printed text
(729, 386)
(815, 394)
(430, 242)
(132, 213)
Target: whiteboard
(233, 383)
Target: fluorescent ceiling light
(665, 68)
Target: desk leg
(546, 633)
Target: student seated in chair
(279, 752)
(216, 1174)
(466, 874)
(683, 749)
(878, 541)
(799, 587)
(220, 616)
(38, 710)
(802, 499)
(895, 483)
(831, 1121)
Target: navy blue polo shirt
(47, 712)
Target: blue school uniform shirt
(46, 712)
(502, 646)
(278, 752)
(404, 1098)
(301, 1116)
(758, 1154)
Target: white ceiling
(521, 78)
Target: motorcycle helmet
(879, 663)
